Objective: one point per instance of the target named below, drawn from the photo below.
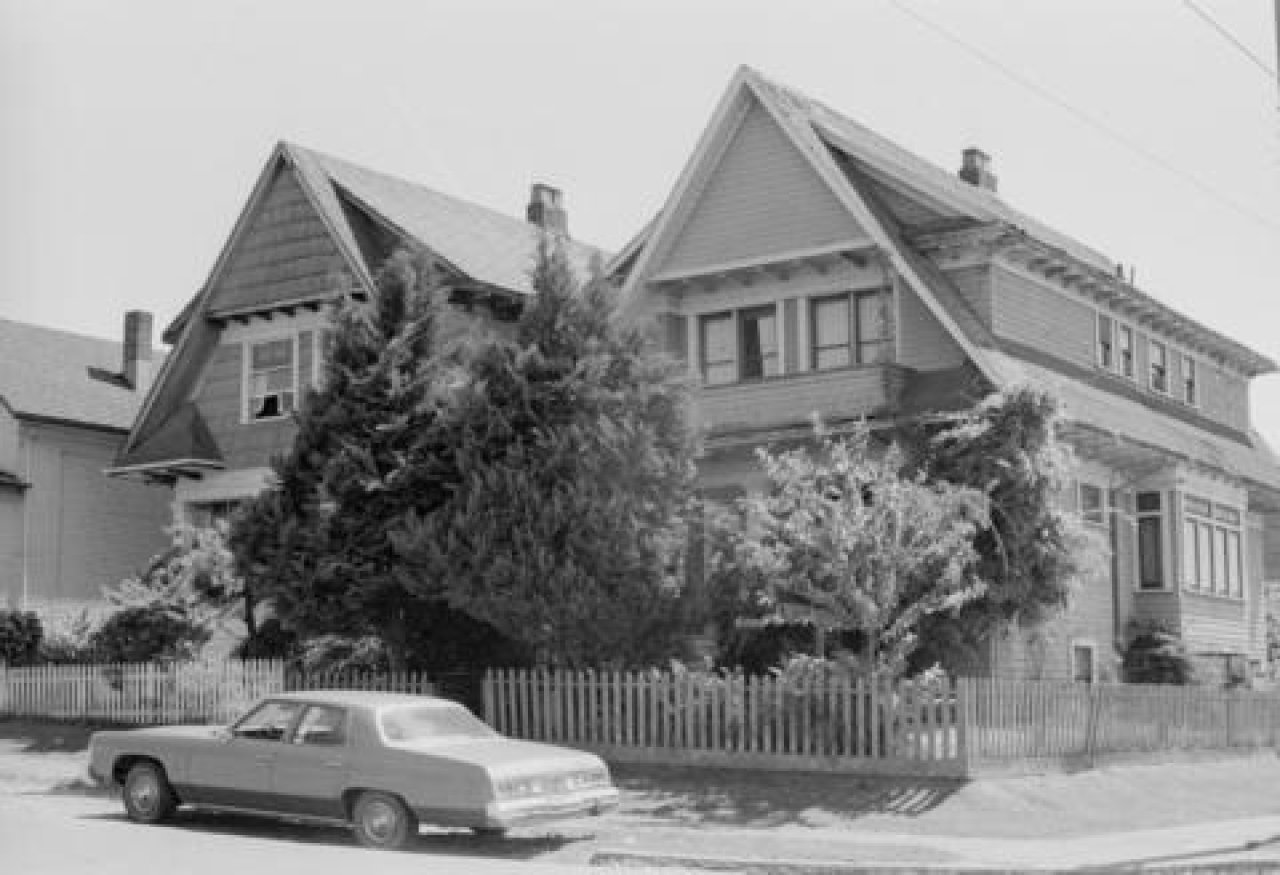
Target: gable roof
(46, 374)
(482, 246)
(860, 167)
(872, 165)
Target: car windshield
(431, 723)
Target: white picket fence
(177, 692)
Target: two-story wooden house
(802, 263)
(314, 230)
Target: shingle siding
(1028, 313)
(762, 199)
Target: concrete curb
(756, 866)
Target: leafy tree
(575, 469)
(1034, 549)
(318, 543)
(20, 636)
(849, 542)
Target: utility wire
(1229, 37)
(1081, 116)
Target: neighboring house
(802, 263)
(66, 404)
(248, 345)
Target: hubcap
(379, 821)
(144, 791)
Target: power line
(1229, 37)
(1081, 116)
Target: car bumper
(515, 812)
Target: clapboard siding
(922, 341)
(1213, 624)
(1031, 314)
(284, 253)
(243, 445)
(762, 198)
(847, 392)
(974, 285)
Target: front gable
(283, 254)
(761, 198)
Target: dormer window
(272, 380)
(1190, 390)
(1106, 342)
(1124, 342)
(1159, 367)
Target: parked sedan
(379, 762)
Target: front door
(309, 772)
(237, 771)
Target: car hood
(506, 756)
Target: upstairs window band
(848, 329)
(272, 379)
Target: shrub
(68, 638)
(1155, 655)
(20, 635)
(271, 641)
(143, 634)
(326, 654)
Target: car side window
(322, 725)
(268, 722)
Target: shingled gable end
(314, 230)
(804, 264)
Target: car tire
(382, 821)
(148, 798)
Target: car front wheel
(148, 798)
(382, 821)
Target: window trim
(1221, 527)
(246, 377)
(1152, 346)
(1192, 398)
(1087, 644)
(1126, 357)
(703, 319)
(856, 343)
(741, 316)
(1101, 510)
(1159, 515)
(1105, 343)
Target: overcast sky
(132, 132)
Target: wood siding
(923, 343)
(284, 253)
(1028, 313)
(84, 530)
(836, 394)
(243, 445)
(1213, 624)
(763, 198)
(974, 285)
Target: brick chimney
(546, 210)
(976, 169)
(138, 354)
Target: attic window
(272, 380)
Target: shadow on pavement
(454, 842)
(726, 797)
(29, 736)
(1210, 860)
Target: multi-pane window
(1093, 506)
(832, 328)
(1189, 388)
(272, 379)
(848, 329)
(1211, 547)
(719, 349)
(1159, 367)
(1150, 541)
(1124, 343)
(1106, 342)
(1083, 662)
(759, 329)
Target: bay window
(848, 329)
(1211, 537)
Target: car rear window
(431, 723)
